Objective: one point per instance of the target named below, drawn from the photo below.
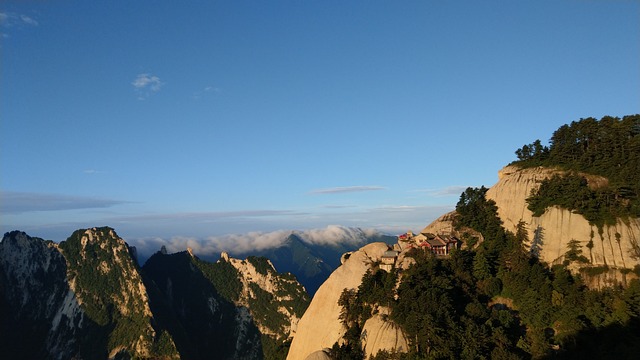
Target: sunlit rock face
(283, 290)
(320, 326)
(379, 333)
(611, 245)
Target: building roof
(436, 242)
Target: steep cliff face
(230, 309)
(611, 246)
(108, 286)
(320, 326)
(82, 298)
(203, 323)
(37, 302)
(261, 285)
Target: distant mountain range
(312, 263)
(309, 255)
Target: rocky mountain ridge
(83, 296)
(259, 278)
(86, 297)
(200, 319)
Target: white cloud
(347, 189)
(206, 90)
(336, 234)
(28, 20)
(253, 241)
(146, 84)
(9, 19)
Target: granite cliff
(321, 327)
(612, 246)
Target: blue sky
(205, 118)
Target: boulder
(378, 333)
(320, 326)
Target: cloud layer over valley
(254, 241)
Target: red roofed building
(438, 244)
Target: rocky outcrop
(37, 302)
(82, 298)
(379, 333)
(260, 280)
(610, 246)
(107, 283)
(319, 355)
(320, 326)
(203, 323)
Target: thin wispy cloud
(9, 19)
(398, 208)
(338, 206)
(346, 189)
(446, 191)
(13, 202)
(206, 90)
(209, 215)
(28, 20)
(146, 84)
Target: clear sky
(205, 118)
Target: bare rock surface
(612, 245)
(379, 333)
(320, 326)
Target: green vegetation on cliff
(112, 295)
(224, 277)
(610, 148)
(265, 307)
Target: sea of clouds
(253, 241)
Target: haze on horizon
(197, 120)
